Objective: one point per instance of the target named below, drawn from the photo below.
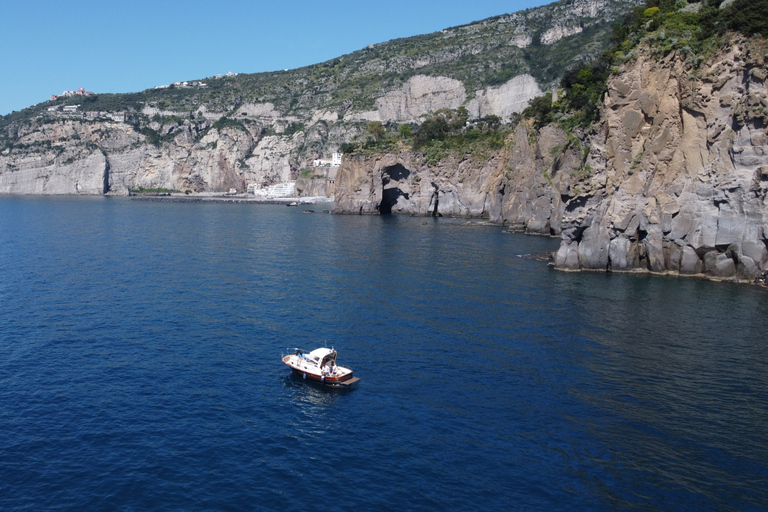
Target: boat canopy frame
(319, 356)
(330, 358)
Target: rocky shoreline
(222, 199)
(673, 181)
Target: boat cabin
(322, 357)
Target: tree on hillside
(748, 17)
(376, 129)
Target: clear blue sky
(126, 46)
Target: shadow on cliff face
(391, 193)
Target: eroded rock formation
(679, 169)
(518, 186)
(405, 183)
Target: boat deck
(310, 369)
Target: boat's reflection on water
(311, 392)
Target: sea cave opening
(391, 193)
(389, 199)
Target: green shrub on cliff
(748, 17)
(540, 110)
(376, 129)
(142, 190)
(451, 132)
(444, 133)
(227, 122)
(666, 26)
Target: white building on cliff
(334, 161)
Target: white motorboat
(320, 366)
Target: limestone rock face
(511, 98)
(258, 110)
(423, 95)
(678, 178)
(405, 183)
(39, 176)
(308, 187)
(556, 33)
(257, 144)
(317, 182)
(420, 96)
(57, 168)
(519, 185)
(521, 41)
(101, 157)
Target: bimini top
(321, 356)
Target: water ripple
(139, 368)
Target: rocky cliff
(67, 155)
(266, 128)
(71, 156)
(679, 169)
(517, 186)
(674, 179)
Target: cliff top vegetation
(692, 28)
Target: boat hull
(347, 380)
(344, 380)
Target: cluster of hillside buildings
(274, 191)
(194, 83)
(119, 117)
(183, 85)
(69, 94)
(324, 168)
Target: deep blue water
(140, 368)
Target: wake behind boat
(320, 366)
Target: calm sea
(140, 368)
